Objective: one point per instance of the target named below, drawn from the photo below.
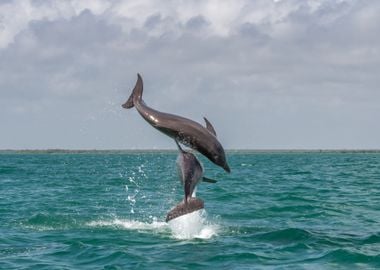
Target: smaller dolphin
(190, 173)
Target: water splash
(193, 225)
(190, 226)
(130, 224)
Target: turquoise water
(106, 210)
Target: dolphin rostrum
(186, 131)
(190, 172)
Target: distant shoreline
(100, 151)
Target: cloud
(268, 74)
(15, 16)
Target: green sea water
(106, 210)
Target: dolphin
(190, 172)
(186, 131)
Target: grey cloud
(50, 53)
(197, 22)
(315, 87)
(153, 20)
(83, 31)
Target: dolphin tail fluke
(136, 94)
(193, 204)
(208, 180)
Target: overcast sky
(284, 74)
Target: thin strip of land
(104, 151)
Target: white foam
(129, 224)
(193, 225)
(190, 226)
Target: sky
(281, 74)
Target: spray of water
(130, 224)
(193, 225)
(190, 226)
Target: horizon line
(174, 149)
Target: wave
(347, 256)
(129, 224)
(47, 222)
(290, 235)
(8, 169)
(371, 239)
(191, 226)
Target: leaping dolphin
(190, 172)
(186, 131)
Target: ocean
(107, 209)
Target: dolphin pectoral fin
(208, 180)
(136, 93)
(181, 209)
(179, 146)
(209, 126)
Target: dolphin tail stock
(183, 208)
(136, 93)
(208, 180)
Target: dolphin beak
(226, 168)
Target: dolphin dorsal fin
(209, 126)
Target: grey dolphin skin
(186, 131)
(190, 173)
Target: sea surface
(106, 210)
